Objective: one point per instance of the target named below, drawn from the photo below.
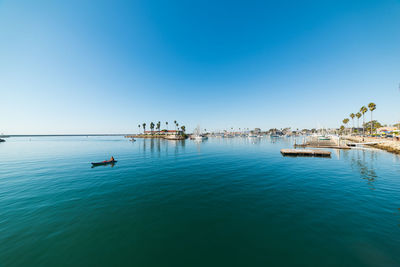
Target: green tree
(183, 128)
(352, 115)
(175, 124)
(373, 125)
(139, 128)
(372, 107)
(166, 123)
(144, 127)
(363, 110)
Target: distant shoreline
(60, 135)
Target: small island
(177, 134)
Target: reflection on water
(398, 214)
(104, 165)
(337, 153)
(158, 146)
(254, 140)
(363, 161)
(198, 144)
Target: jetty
(389, 144)
(305, 152)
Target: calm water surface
(223, 202)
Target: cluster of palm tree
(361, 113)
(158, 126)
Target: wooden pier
(306, 152)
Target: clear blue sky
(104, 66)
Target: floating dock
(306, 152)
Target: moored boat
(199, 137)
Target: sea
(219, 202)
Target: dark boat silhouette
(106, 162)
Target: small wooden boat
(104, 162)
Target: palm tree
(152, 127)
(345, 121)
(175, 124)
(372, 107)
(183, 128)
(159, 125)
(342, 128)
(139, 127)
(363, 110)
(358, 115)
(352, 115)
(166, 123)
(144, 127)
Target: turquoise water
(223, 202)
